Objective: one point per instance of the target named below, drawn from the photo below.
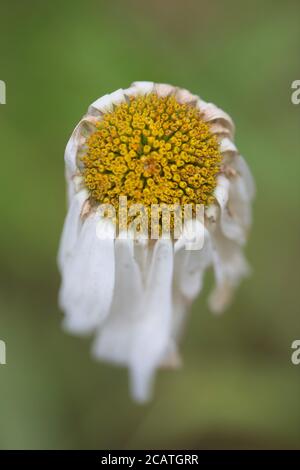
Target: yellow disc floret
(153, 150)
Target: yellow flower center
(153, 150)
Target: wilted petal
(235, 215)
(212, 114)
(222, 191)
(116, 337)
(219, 130)
(75, 143)
(190, 265)
(71, 153)
(142, 254)
(189, 270)
(228, 147)
(71, 228)
(88, 277)
(172, 358)
(230, 267)
(243, 169)
(153, 330)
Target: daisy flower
(150, 145)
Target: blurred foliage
(238, 387)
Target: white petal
(190, 266)
(137, 331)
(71, 151)
(105, 103)
(230, 267)
(142, 88)
(211, 213)
(243, 169)
(227, 146)
(142, 252)
(222, 190)
(163, 89)
(184, 96)
(152, 335)
(189, 270)
(117, 96)
(220, 130)
(88, 277)
(116, 336)
(71, 228)
(179, 316)
(235, 208)
(240, 204)
(75, 144)
(102, 105)
(172, 359)
(70, 185)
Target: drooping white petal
(211, 214)
(180, 312)
(234, 200)
(230, 267)
(190, 265)
(243, 169)
(116, 336)
(172, 358)
(137, 331)
(88, 277)
(153, 331)
(142, 255)
(71, 152)
(70, 186)
(189, 269)
(239, 203)
(71, 228)
(222, 191)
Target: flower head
(157, 146)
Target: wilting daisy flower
(152, 145)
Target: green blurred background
(238, 387)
